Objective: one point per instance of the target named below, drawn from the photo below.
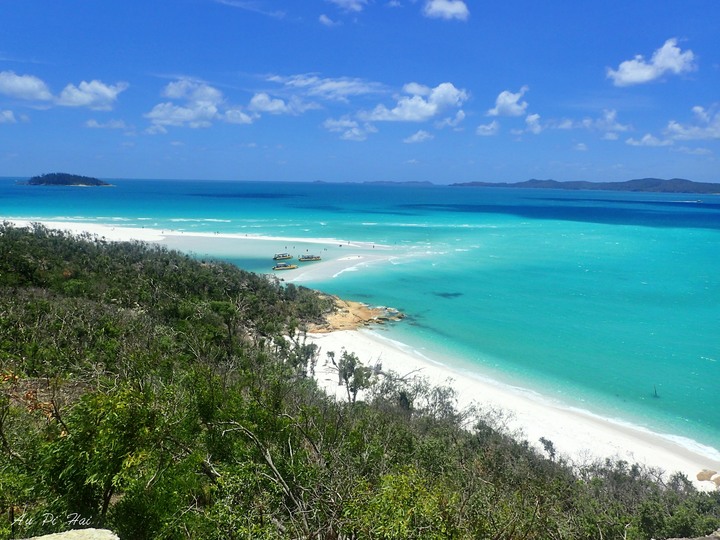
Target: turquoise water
(600, 299)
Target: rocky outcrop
(349, 315)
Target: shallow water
(608, 301)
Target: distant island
(650, 185)
(65, 179)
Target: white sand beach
(577, 435)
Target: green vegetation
(157, 395)
(65, 179)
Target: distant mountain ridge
(652, 185)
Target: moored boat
(284, 266)
(281, 256)
(306, 258)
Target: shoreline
(578, 435)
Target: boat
(306, 258)
(281, 256)
(284, 266)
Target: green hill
(161, 396)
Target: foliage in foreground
(158, 396)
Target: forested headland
(162, 396)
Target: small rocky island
(65, 179)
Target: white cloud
(26, 87)
(264, 103)
(237, 116)
(706, 126)
(94, 94)
(452, 121)
(327, 21)
(7, 117)
(194, 91)
(195, 115)
(331, 89)
(201, 105)
(425, 103)
(486, 130)
(110, 124)
(418, 137)
(251, 6)
(667, 59)
(350, 5)
(607, 123)
(648, 140)
(349, 129)
(581, 147)
(509, 104)
(532, 121)
(695, 151)
(446, 9)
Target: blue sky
(361, 90)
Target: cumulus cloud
(418, 137)
(26, 87)
(110, 124)
(262, 102)
(667, 59)
(195, 115)
(422, 104)
(7, 117)
(446, 9)
(350, 130)
(648, 140)
(581, 147)
(486, 130)
(327, 21)
(200, 107)
(452, 121)
(706, 126)
(237, 116)
(94, 94)
(532, 122)
(508, 103)
(196, 104)
(350, 5)
(608, 123)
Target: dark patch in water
(244, 195)
(343, 210)
(448, 294)
(672, 204)
(679, 217)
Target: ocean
(605, 301)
